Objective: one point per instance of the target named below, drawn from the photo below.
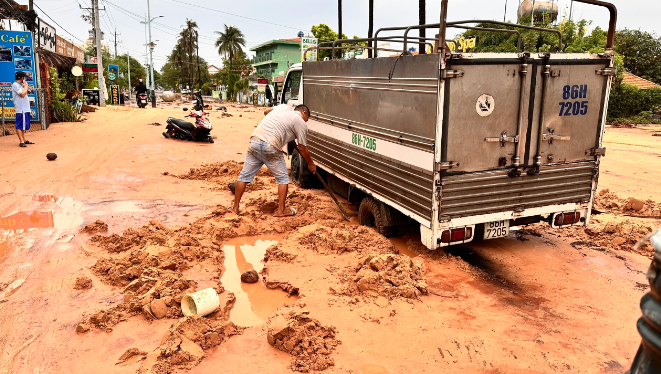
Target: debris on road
(250, 276)
(154, 124)
(83, 283)
(305, 338)
(389, 275)
(332, 237)
(94, 227)
(608, 201)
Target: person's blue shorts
(23, 121)
(262, 153)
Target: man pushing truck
(281, 125)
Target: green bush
(206, 89)
(63, 111)
(628, 101)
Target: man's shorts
(23, 121)
(262, 153)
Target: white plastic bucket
(200, 303)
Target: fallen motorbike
(141, 99)
(184, 130)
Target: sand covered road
(545, 301)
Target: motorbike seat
(183, 124)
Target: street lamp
(151, 45)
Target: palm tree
(230, 42)
(188, 39)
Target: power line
(235, 15)
(63, 29)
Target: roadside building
(213, 70)
(634, 80)
(69, 49)
(273, 58)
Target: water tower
(543, 10)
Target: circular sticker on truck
(485, 105)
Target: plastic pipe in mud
(200, 303)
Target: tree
(188, 40)
(230, 42)
(641, 53)
(324, 33)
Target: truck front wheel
(370, 214)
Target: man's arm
(24, 91)
(303, 150)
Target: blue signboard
(17, 53)
(113, 72)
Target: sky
(265, 20)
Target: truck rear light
(457, 235)
(564, 219)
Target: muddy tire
(300, 174)
(210, 140)
(370, 214)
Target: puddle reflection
(27, 220)
(254, 303)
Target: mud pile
(94, 227)
(388, 275)
(152, 233)
(305, 338)
(184, 345)
(82, 283)
(225, 172)
(332, 237)
(608, 201)
(614, 236)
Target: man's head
(140, 80)
(305, 111)
(20, 76)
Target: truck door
(573, 105)
(292, 93)
(481, 113)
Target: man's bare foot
(286, 213)
(232, 210)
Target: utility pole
(115, 43)
(128, 63)
(99, 52)
(339, 19)
(146, 53)
(151, 59)
(197, 51)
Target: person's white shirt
(21, 104)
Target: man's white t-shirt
(22, 104)
(281, 126)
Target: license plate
(496, 229)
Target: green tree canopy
(641, 53)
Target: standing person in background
(19, 90)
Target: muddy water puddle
(254, 302)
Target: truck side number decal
(363, 141)
(574, 108)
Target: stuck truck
(466, 144)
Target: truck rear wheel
(300, 174)
(370, 213)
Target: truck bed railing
(443, 25)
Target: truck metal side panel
(406, 186)
(392, 102)
(393, 99)
(493, 191)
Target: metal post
(146, 51)
(151, 59)
(422, 19)
(128, 63)
(370, 28)
(339, 19)
(505, 14)
(99, 53)
(532, 13)
(3, 112)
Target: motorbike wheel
(210, 140)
